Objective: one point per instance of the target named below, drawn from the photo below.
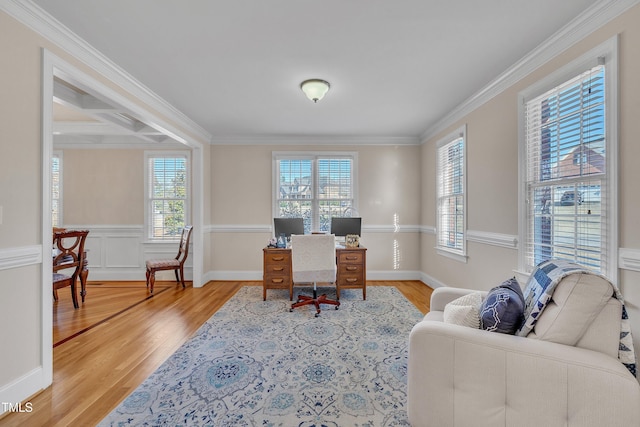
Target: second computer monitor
(288, 226)
(342, 226)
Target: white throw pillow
(464, 311)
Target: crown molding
(35, 18)
(313, 139)
(584, 24)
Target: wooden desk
(351, 270)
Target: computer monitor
(288, 226)
(341, 226)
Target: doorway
(73, 91)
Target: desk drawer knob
(277, 258)
(351, 268)
(277, 280)
(351, 258)
(278, 268)
(351, 279)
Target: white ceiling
(234, 66)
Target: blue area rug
(254, 363)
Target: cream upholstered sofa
(566, 372)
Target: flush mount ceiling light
(315, 89)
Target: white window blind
(315, 187)
(167, 195)
(56, 190)
(451, 171)
(566, 178)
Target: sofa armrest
(443, 296)
(482, 378)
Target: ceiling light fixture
(315, 89)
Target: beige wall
(241, 197)
(492, 156)
(103, 187)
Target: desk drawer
(279, 258)
(277, 269)
(351, 257)
(351, 269)
(271, 280)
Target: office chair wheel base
(317, 314)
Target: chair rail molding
(20, 256)
(629, 259)
(509, 241)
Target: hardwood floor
(108, 347)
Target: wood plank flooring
(113, 343)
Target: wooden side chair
(69, 255)
(176, 264)
(84, 272)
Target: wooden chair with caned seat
(176, 264)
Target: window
(569, 187)
(56, 189)
(167, 194)
(451, 194)
(314, 186)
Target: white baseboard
(22, 388)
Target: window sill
(453, 255)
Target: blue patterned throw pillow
(503, 308)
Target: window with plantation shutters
(451, 195)
(568, 182)
(314, 186)
(167, 194)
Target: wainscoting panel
(119, 252)
(123, 252)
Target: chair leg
(151, 279)
(180, 277)
(74, 295)
(83, 282)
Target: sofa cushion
(464, 311)
(577, 300)
(503, 308)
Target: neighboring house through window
(568, 145)
(451, 195)
(167, 194)
(314, 186)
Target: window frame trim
(313, 156)
(461, 256)
(149, 154)
(604, 54)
